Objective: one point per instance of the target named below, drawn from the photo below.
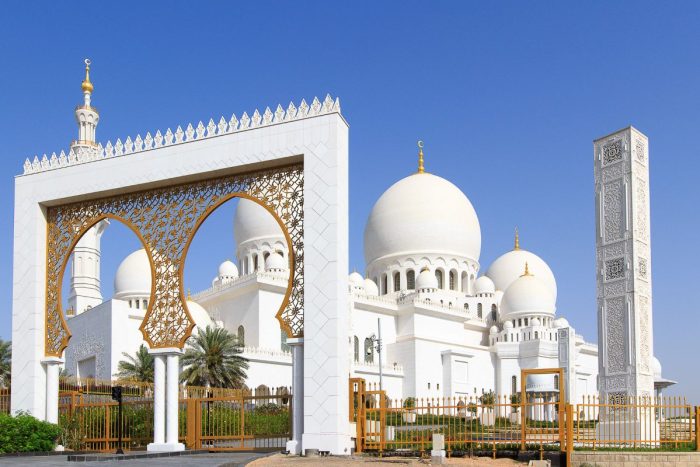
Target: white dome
(275, 262)
(133, 277)
(484, 285)
(527, 296)
(561, 323)
(371, 288)
(508, 325)
(422, 214)
(508, 267)
(494, 329)
(656, 367)
(254, 222)
(426, 280)
(199, 315)
(356, 279)
(228, 270)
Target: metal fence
(249, 420)
(4, 400)
(536, 422)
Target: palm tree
(139, 367)
(213, 359)
(5, 362)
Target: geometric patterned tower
(85, 290)
(623, 263)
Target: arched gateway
(293, 162)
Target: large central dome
(422, 214)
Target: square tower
(623, 265)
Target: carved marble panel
(641, 221)
(612, 152)
(614, 269)
(615, 338)
(613, 210)
(644, 334)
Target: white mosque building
(446, 328)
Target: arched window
(255, 262)
(384, 289)
(536, 335)
(283, 342)
(556, 382)
(438, 276)
(241, 335)
(466, 307)
(369, 351)
(397, 281)
(356, 348)
(145, 304)
(479, 310)
(453, 280)
(411, 279)
(514, 385)
(493, 316)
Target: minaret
(85, 270)
(86, 116)
(623, 265)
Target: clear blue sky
(507, 96)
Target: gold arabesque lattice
(166, 220)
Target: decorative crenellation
(82, 155)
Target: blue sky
(507, 96)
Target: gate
(542, 413)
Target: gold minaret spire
(421, 168)
(87, 85)
(517, 240)
(527, 270)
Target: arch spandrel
(166, 219)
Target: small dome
(536, 322)
(199, 315)
(133, 277)
(228, 270)
(494, 329)
(426, 280)
(371, 288)
(508, 325)
(561, 323)
(509, 267)
(484, 285)
(356, 279)
(422, 214)
(253, 222)
(525, 297)
(275, 262)
(656, 367)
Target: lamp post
(377, 345)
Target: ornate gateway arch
(293, 161)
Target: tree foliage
(5, 363)
(213, 359)
(138, 367)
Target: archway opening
(106, 289)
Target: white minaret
(86, 116)
(623, 269)
(85, 290)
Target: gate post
(297, 345)
(569, 432)
(191, 423)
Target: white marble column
(297, 345)
(165, 400)
(171, 412)
(52, 371)
(158, 403)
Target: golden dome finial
(421, 168)
(527, 270)
(87, 85)
(517, 240)
(189, 295)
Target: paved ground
(282, 460)
(199, 460)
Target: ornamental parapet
(180, 136)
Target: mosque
(446, 329)
(425, 320)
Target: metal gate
(543, 413)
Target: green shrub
(24, 433)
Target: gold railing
(4, 400)
(538, 422)
(259, 420)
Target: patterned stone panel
(616, 351)
(644, 334)
(613, 211)
(641, 222)
(612, 152)
(166, 220)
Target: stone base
(294, 447)
(335, 444)
(437, 457)
(165, 447)
(630, 431)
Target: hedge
(24, 433)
